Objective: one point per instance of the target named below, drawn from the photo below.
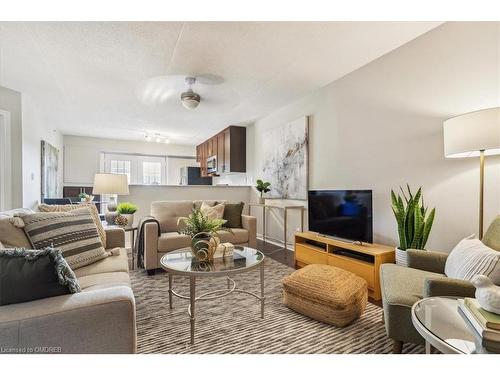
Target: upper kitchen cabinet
(229, 149)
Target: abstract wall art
(285, 159)
(49, 170)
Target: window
(121, 167)
(151, 173)
(146, 169)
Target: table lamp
(474, 134)
(110, 183)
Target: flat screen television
(344, 214)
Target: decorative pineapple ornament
(121, 220)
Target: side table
(439, 322)
(285, 209)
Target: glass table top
(184, 262)
(440, 316)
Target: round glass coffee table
(441, 324)
(183, 263)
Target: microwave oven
(212, 164)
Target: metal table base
(214, 294)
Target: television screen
(346, 214)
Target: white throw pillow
(471, 257)
(213, 212)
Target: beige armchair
(168, 213)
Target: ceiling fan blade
(157, 90)
(209, 79)
(220, 99)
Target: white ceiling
(85, 75)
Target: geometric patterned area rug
(232, 324)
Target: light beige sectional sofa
(99, 319)
(168, 213)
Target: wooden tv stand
(363, 260)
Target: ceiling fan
(189, 98)
(190, 90)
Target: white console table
(285, 208)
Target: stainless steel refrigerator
(192, 176)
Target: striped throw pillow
(471, 257)
(69, 207)
(73, 232)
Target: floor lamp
(474, 134)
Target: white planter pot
(130, 219)
(401, 257)
(262, 200)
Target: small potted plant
(127, 210)
(262, 187)
(414, 222)
(203, 233)
(84, 197)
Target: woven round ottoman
(326, 293)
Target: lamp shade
(109, 183)
(468, 134)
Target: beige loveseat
(168, 213)
(99, 319)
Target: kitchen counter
(143, 195)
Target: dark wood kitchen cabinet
(220, 153)
(229, 146)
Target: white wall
(143, 195)
(82, 155)
(35, 129)
(381, 126)
(11, 102)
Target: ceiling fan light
(190, 99)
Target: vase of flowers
(203, 232)
(414, 222)
(262, 187)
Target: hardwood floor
(277, 253)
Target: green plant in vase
(126, 208)
(203, 232)
(262, 187)
(414, 221)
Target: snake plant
(414, 220)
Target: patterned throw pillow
(73, 232)
(69, 207)
(471, 257)
(213, 212)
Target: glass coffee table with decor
(182, 262)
